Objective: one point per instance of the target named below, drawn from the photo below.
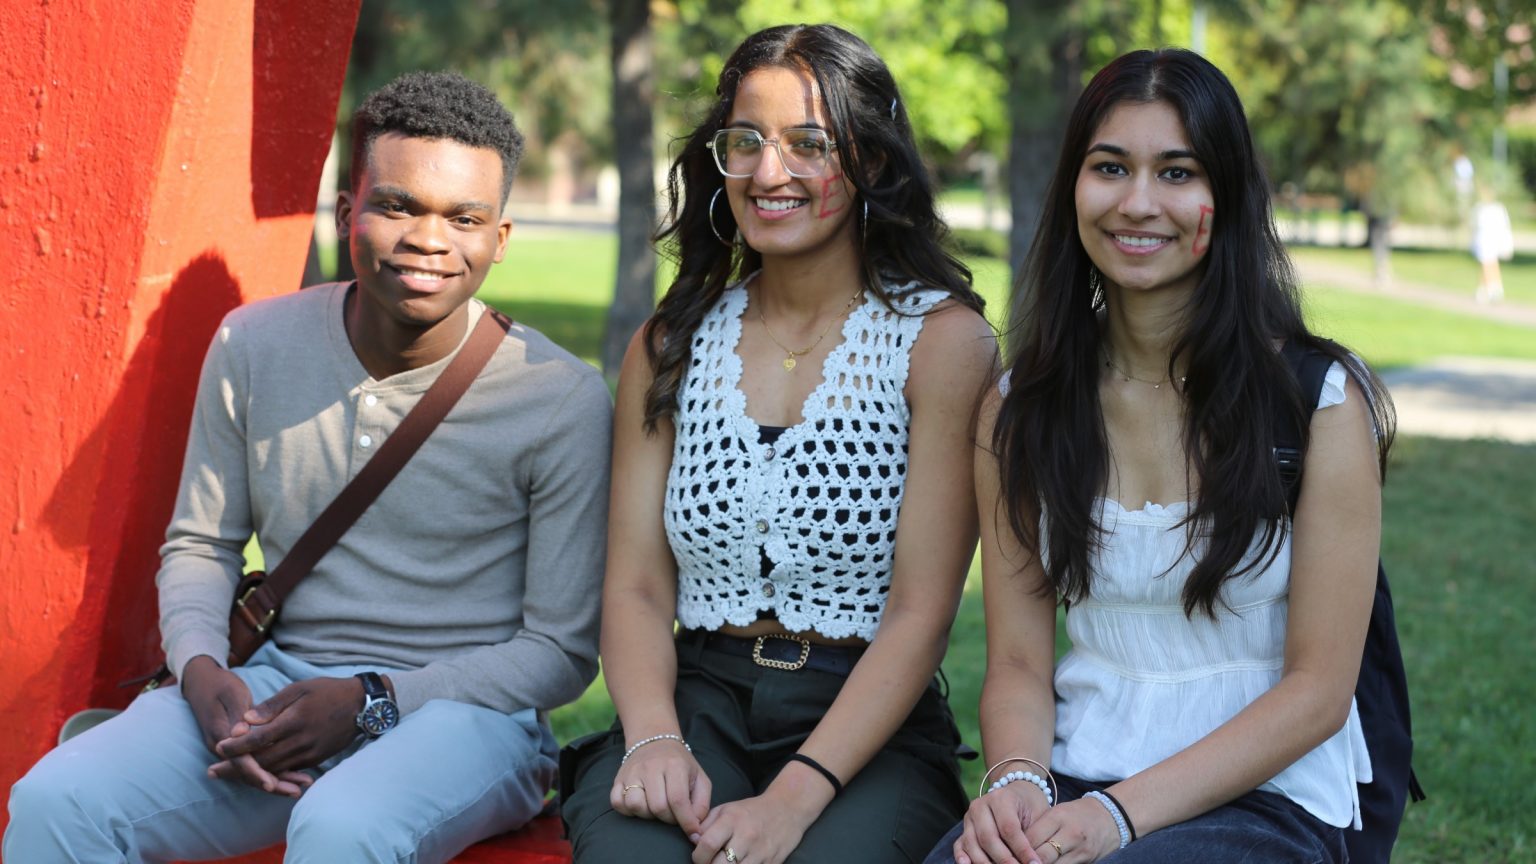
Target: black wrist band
(837, 786)
(1123, 815)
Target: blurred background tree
(1356, 105)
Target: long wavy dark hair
(902, 238)
(1050, 437)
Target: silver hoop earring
(712, 227)
(864, 228)
(1095, 281)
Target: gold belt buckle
(759, 659)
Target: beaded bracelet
(1114, 813)
(1125, 814)
(670, 736)
(1014, 776)
(1051, 794)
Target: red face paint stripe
(827, 194)
(1203, 231)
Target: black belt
(779, 651)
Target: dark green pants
(743, 721)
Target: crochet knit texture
(821, 502)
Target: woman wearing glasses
(791, 476)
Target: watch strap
(373, 686)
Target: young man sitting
(459, 608)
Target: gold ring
(1056, 846)
(730, 855)
(631, 786)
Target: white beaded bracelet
(670, 736)
(1032, 777)
(1114, 813)
(1050, 796)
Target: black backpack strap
(1381, 693)
(1310, 368)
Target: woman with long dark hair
(1204, 711)
(792, 486)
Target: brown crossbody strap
(392, 455)
(259, 596)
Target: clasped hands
(1014, 825)
(271, 745)
(668, 785)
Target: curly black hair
(443, 105)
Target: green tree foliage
(1342, 101)
(1371, 100)
(547, 61)
(947, 58)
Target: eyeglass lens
(804, 152)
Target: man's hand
(219, 701)
(298, 728)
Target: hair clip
(893, 109)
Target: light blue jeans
(135, 788)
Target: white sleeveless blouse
(821, 502)
(1142, 681)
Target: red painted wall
(158, 166)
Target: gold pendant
(789, 363)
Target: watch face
(378, 716)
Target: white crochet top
(1143, 681)
(820, 502)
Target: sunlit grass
(1451, 271)
(1391, 333)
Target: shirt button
(365, 441)
(770, 454)
(762, 526)
(370, 400)
(768, 589)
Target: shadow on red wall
(115, 635)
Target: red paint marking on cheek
(1203, 231)
(831, 187)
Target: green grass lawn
(1458, 544)
(1390, 333)
(1461, 553)
(1451, 271)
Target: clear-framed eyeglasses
(803, 152)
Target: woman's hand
(996, 823)
(760, 830)
(663, 781)
(1074, 832)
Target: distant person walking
(1492, 241)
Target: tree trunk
(1037, 115)
(634, 290)
(1378, 235)
(313, 275)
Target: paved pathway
(1452, 397)
(1350, 279)
(1466, 397)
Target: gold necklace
(789, 353)
(1109, 363)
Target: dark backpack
(1381, 694)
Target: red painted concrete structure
(158, 166)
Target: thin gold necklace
(1109, 363)
(789, 353)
